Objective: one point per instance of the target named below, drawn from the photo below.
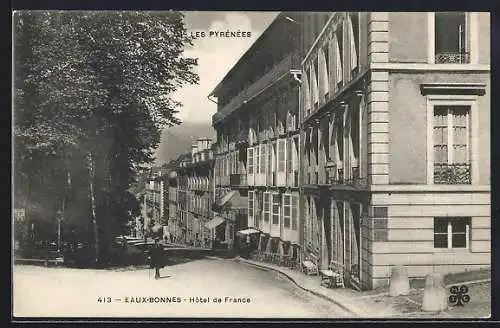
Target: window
(339, 49)
(295, 211)
(258, 207)
(288, 155)
(257, 159)
(353, 22)
(451, 232)
(287, 210)
(251, 206)
(267, 206)
(325, 74)
(250, 160)
(306, 96)
(270, 160)
(275, 162)
(276, 209)
(263, 149)
(313, 81)
(451, 38)
(281, 155)
(451, 145)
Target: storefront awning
(227, 197)
(214, 222)
(248, 231)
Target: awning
(227, 197)
(234, 200)
(248, 231)
(214, 222)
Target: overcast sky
(216, 56)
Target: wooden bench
(310, 265)
(333, 277)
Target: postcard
(276, 165)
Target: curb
(343, 303)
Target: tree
(93, 91)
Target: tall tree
(98, 86)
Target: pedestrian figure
(156, 258)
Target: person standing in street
(156, 258)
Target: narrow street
(189, 289)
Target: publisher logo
(459, 295)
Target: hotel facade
(257, 149)
(395, 132)
(360, 139)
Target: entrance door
(355, 243)
(337, 231)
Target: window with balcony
(452, 145)
(314, 83)
(353, 25)
(306, 93)
(270, 172)
(266, 208)
(451, 41)
(281, 155)
(287, 210)
(295, 211)
(452, 232)
(251, 197)
(235, 162)
(275, 156)
(323, 60)
(258, 207)
(276, 208)
(288, 155)
(250, 160)
(339, 49)
(257, 159)
(263, 157)
(307, 217)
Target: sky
(216, 55)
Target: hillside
(177, 140)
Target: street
(202, 288)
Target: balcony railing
(452, 58)
(335, 176)
(355, 179)
(289, 62)
(452, 174)
(238, 179)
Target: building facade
(196, 194)
(257, 164)
(174, 227)
(395, 161)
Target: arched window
(353, 30)
(339, 53)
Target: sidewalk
(378, 303)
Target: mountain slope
(177, 140)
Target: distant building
(195, 174)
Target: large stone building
(395, 159)
(356, 139)
(258, 139)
